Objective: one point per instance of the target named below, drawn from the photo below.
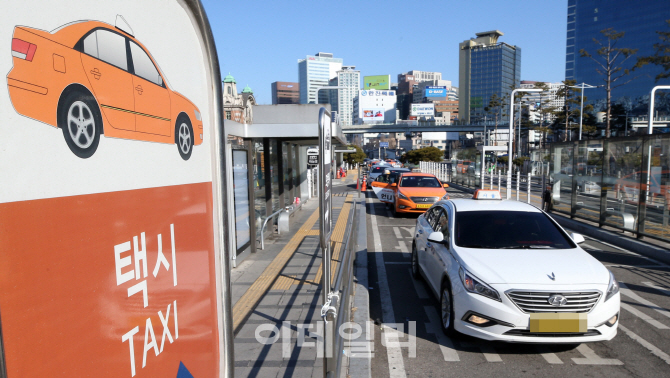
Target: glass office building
(639, 20)
(494, 69)
(316, 71)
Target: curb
(361, 367)
(631, 244)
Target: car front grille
(424, 199)
(534, 301)
(527, 333)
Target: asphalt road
(641, 347)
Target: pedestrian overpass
(420, 127)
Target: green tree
(610, 64)
(355, 157)
(423, 154)
(518, 161)
(565, 116)
(545, 110)
(661, 55)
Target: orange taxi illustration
(416, 192)
(90, 78)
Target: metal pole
(581, 114)
(528, 182)
(511, 137)
(518, 184)
(651, 107)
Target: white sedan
(504, 270)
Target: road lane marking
(446, 345)
(393, 352)
(396, 231)
(402, 246)
(410, 231)
(662, 290)
(632, 295)
(550, 357)
(591, 358)
(488, 351)
(418, 287)
(643, 316)
(653, 349)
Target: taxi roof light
(487, 194)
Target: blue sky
(260, 42)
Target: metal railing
(340, 298)
(287, 209)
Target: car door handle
(96, 73)
(139, 89)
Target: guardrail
(340, 298)
(287, 209)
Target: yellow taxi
(415, 192)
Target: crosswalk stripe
(446, 345)
(662, 290)
(632, 295)
(591, 358)
(643, 316)
(550, 357)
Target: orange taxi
(416, 192)
(90, 78)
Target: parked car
(506, 271)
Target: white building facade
(342, 100)
(375, 107)
(316, 71)
(535, 101)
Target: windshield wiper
(527, 246)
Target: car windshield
(419, 182)
(508, 230)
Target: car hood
(534, 266)
(423, 192)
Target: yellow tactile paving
(251, 297)
(283, 283)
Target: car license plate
(424, 206)
(558, 322)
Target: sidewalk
(282, 284)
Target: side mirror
(445, 185)
(577, 238)
(436, 237)
(394, 184)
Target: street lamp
(511, 136)
(581, 111)
(650, 128)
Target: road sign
(324, 171)
(384, 144)
(313, 159)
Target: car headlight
(612, 287)
(445, 197)
(402, 196)
(197, 115)
(475, 285)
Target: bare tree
(610, 62)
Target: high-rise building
(316, 71)
(409, 81)
(536, 100)
(639, 21)
(421, 75)
(486, 67)
(342, 100)
(375, 107)
(285, 93)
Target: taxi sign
(487, 194)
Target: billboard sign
(423, 110)
(373, 114)
(384, 144)
(110, 223)
(378, 82)
(436, 91)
